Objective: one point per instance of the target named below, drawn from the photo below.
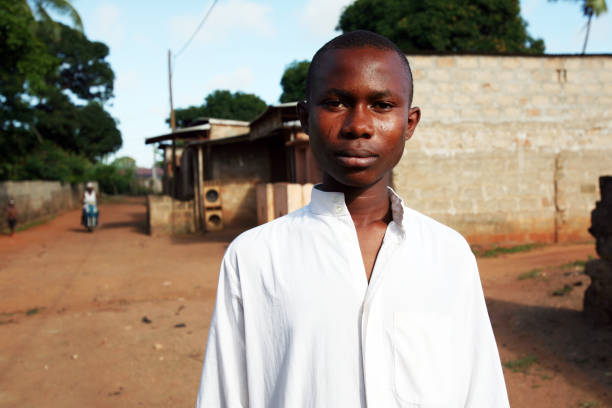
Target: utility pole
(173, 126)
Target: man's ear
(302, 111)
(414, 116)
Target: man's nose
(358, 123)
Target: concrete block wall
(578, 189)
(36, 200)
(508, 148)
(239, 201)
(169, 216)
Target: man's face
(358, 116)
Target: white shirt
(296, 323)
(89, 198)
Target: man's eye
(382, 105)
(333, 103)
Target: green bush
(112, 179)
(49, 162)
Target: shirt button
(339, 210)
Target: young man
(355, 300)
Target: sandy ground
(72, 306)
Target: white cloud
(321, 16)
(106, 26)
(226, 19)
(240, 79)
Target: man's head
(358, 111)
(89, 186)
(358, 39)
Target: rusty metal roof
(274, 118)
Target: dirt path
(72, 305)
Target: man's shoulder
(272, 232)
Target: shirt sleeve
(224, 382)
(486, 386)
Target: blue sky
(245, 45)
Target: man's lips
(356, 158)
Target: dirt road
(72, 306)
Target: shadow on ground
(226, 235)
(80, 230)
(137, 222)
(560, 338)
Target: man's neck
(366, 205)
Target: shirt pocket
(422, 360)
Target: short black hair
(358, 39)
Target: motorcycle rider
(89, 198)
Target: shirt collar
(331, 203)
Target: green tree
(454, 26)
(24, 66)
(590, 8)
(293, 81)
(47, 161)
(39, 9)
(82, 68)
(125, 162)
(222, 104)
(84, 72)
(51, 93)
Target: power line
(196, 30)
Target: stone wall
(37, 200)
(509, 149)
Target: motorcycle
(90, 217)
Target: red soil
(83, 342)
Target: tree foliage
(293, 81)
(222, 104)
(53, 84)
(39, 9)
(83, 69)
(454, 26)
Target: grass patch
(495, 250)
(532, 274)
(588, 404)
(563, 291)
(521, 365)
(573, 265)
(33, 311)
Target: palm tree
(40, 11)
(592, 8)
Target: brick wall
(38, 199)
(509, 149)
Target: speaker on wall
(213, 219)
(212, 196)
